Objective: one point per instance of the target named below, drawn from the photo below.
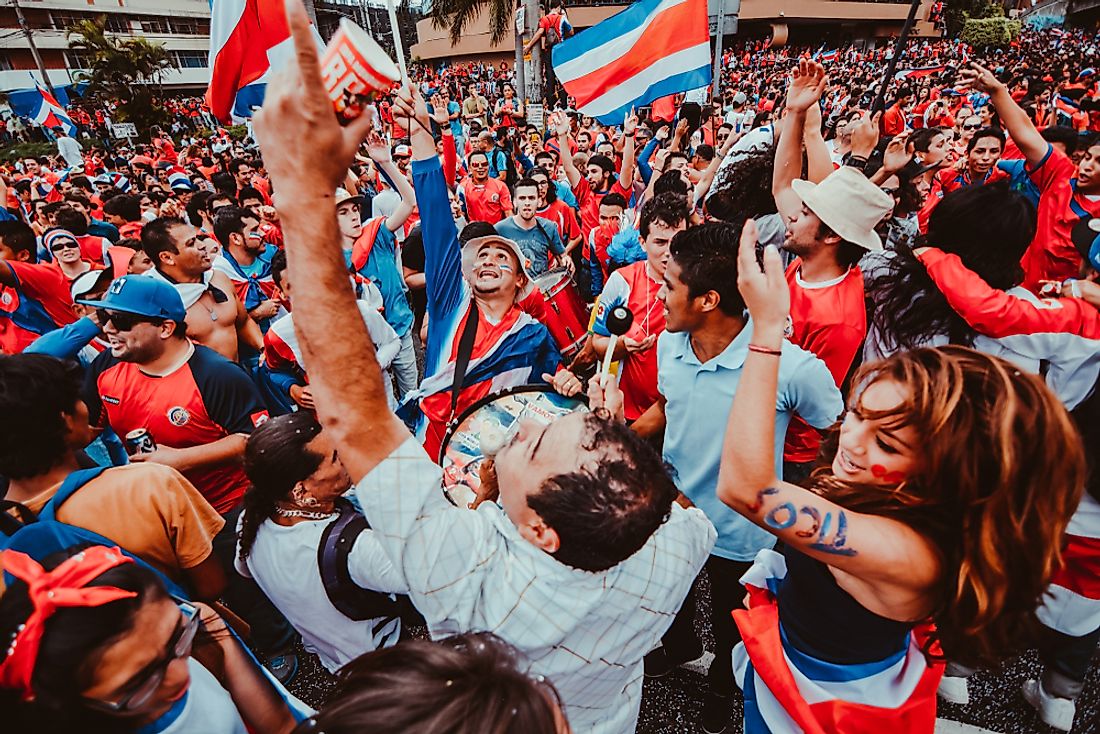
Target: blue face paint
(506, 267)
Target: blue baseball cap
(142, 295)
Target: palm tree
(127, 70)
(460, 13)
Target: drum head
(553, 281)
(498, 414)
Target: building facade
(183, 26)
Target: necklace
(307, 514)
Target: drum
(499, 414)
(566, 315)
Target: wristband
(765, 350)
(856, 161)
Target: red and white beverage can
(355, 70)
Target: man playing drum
(472, 292)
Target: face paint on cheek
(881, 472)
(506, 268)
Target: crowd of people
(857, 380)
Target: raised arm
(881, 553)
(1015, 120)
(380, 152)
(626, 171)
(560, 122)
(819, 164)
(345, 378)
(807, 84)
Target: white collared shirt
(472, 571)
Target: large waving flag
(652, 49)
(247, 38)
(41, 107)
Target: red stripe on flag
(243, 58)
(1080, 571)
(675, 29)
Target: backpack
(42, 535)
(349, 598)
(511, 176)
(553, 33)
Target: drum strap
(462, 358)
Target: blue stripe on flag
(617, 25)
(825, 672)
(754, 721)
(693, 79)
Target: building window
(119, 24)
(191, 59)
(5, 63)
(78, 59)
(152, 24)
(65, 21)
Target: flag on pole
(247, 39)
(42, 108)
(829, 56)
(652, 49)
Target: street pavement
(671, 705)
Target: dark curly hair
(606, 511)
(668, 209)
(909, 309)
(35, 390)
(467, 684)
(275, 460)
(744, 189)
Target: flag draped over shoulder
(652, 49)
(247, 37)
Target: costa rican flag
(652, 49)
(247, 39)
(51, 114)
(827, 57)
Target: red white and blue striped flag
(652, 49)
(51, 114)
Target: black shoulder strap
(462, 359)
(350, 599)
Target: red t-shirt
(829, 320)
(893, 121)
(564, 217)
(485, 202)
(1052, 254)
(38, 303)
(632, 286)
(589, 203)
(205, 400)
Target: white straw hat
(469, 256)
(848, 204)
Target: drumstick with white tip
(618, 323)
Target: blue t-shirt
(382, 270)
(537, 243)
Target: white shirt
(71, 151)
(471, 570)
(283, 561)
(206, 707)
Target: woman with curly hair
(930, 528)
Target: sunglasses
(124, 321)
(64, 245)
(178, 647)
(972, 127)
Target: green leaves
(128, 70)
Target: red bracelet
(765, 350)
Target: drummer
(484, 278)
(537, 237)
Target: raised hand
(630, 124)
(807, 84)
(297, 108)
(765, 291)
(980, 78)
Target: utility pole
(519, 25)
(34, 49)
(531, 21)
(720, 33)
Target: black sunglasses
(64, 245)
(124, 321)
(972, 127)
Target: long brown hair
(1000, 471)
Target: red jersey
(39, 302)
(485, 202)
(562, 215)
(893, 121)
(589, 203)
(829, 320)
(632, 286)
(204, 400)
(947, 180)
(1052, 254)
